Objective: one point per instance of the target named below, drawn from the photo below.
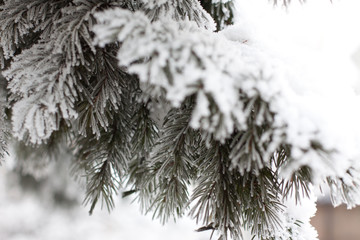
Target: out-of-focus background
(43, 208)
(336, 223)
(50, 208)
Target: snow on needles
(311, 67)
(183, 62)
(314, 108)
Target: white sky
(317, 23)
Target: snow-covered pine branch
(4, 128)
(178, 65)
(178, 10)
(255, 98)
(151, 96)
(56, 71)
(184, 60)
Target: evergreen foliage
(149, 98)
(4, 128)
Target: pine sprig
(221, 11)
(250, 149)
(4, 125)
(105, 90)
(181, 10)
(104, 161)
(226, 200)
(263, 203)
(25, 22)
(57, 87)
(146, 132)
(16, 21)
(345, 189)
(214, 195)
(145, 135)
(172, 164)
(53, 93)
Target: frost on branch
(4, 131)
(50, 76)
(227, 78)
(241, 92)
(296, 220)
(43, 94)
(20, 22)
(345, 189)
(222, 11)
(178, 10)
(181, 63)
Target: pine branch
(53, 93)
(180, 61)
(105, 92)
(215, 200)
(104, 161)
(227, 200)
(4, 125)
(179, 10)
(172, 164)
(251, 148)
(22, 22)
(146, 133)
(54, 71)
(221, 11)
(225, 131)
(345, 189)
(263, 203)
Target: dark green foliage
(298, 185)
(183, 10)
(171, 165)
(104, 160)
(104, 90)
(249, 147)
(145, 135)
(88, 76)
(4, 132)
(222, 11)
(227, 200)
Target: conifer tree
(154, 101)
